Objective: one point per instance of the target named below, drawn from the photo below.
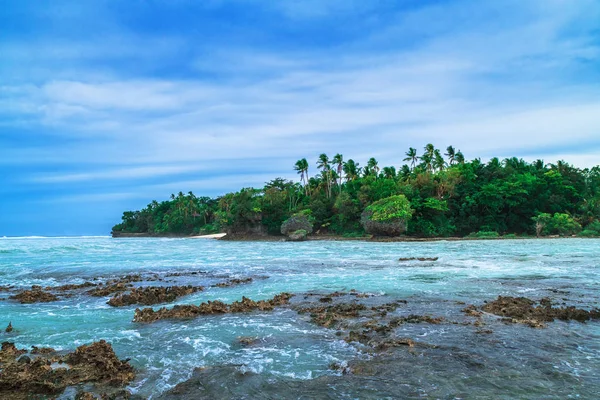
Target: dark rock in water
(525, 311)
(9, 353)
(472, 311)
(418, 259)
(153, 295)
(42, 350)
(330, 316)
(233, 282)
(69, 287)
(51, 373)
(212, 307)
(9, 328)
(115, 286)
(35, 295)
(247, 340)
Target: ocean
(292, 357)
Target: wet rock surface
(45, 372)
(536, 313)
(35, 295)
(148, 315)
(152, 295)
(418, 259)
(233, 282)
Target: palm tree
(372, 166)
(351, 170)
(405, 171)
(323, 165)
(301, 167)
(427, 162)
(451, 154)
(389, 172)
(438, 161)
(411, 155)
(459, 157)
(339, 160)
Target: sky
(106, 105)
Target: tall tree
(373, 167)
(301, 167)
(325, 167)
(412, 157)
(451, 154)
(338, 159)
(438, 161)
(351, 170)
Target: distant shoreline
(378, 239)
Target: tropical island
(432, 195)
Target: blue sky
(106, 105)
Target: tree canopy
(446, 195)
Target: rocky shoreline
(373, 324)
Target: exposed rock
(233, 282)
(418, 259)
(329, 316)
(115, 286)
(211, 307)
(152, 295)
(35, 295)
(525, 311)
(50, 374)
(247, 340)
(42, 350)
(297, 236)
(472, 311)
(9, 328)
(8, 352)
(69, 287)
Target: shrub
(557, 224)
(510, 236)
(484, 235)
(592, 229)
(387, 217)
(296, 222)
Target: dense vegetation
(432, 195)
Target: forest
(433, 194)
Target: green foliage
(510, 236)
(441, 196)
(558, 224)
(484, 235)
(390, 209)
(387, 216)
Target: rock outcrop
(536, 314)
(46, 373)
(148, 315)
(35, 295)
(152, 295)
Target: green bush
(484, 235)
(387, 217)
(510, 236)
(558, 224)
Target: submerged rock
(153, 295)
(418, 259)
(211, 307)
(526, 311)
(35, 295)
(9, 328)
(233, 282)
(69, 287)
(50, 373)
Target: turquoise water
(561, 361)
